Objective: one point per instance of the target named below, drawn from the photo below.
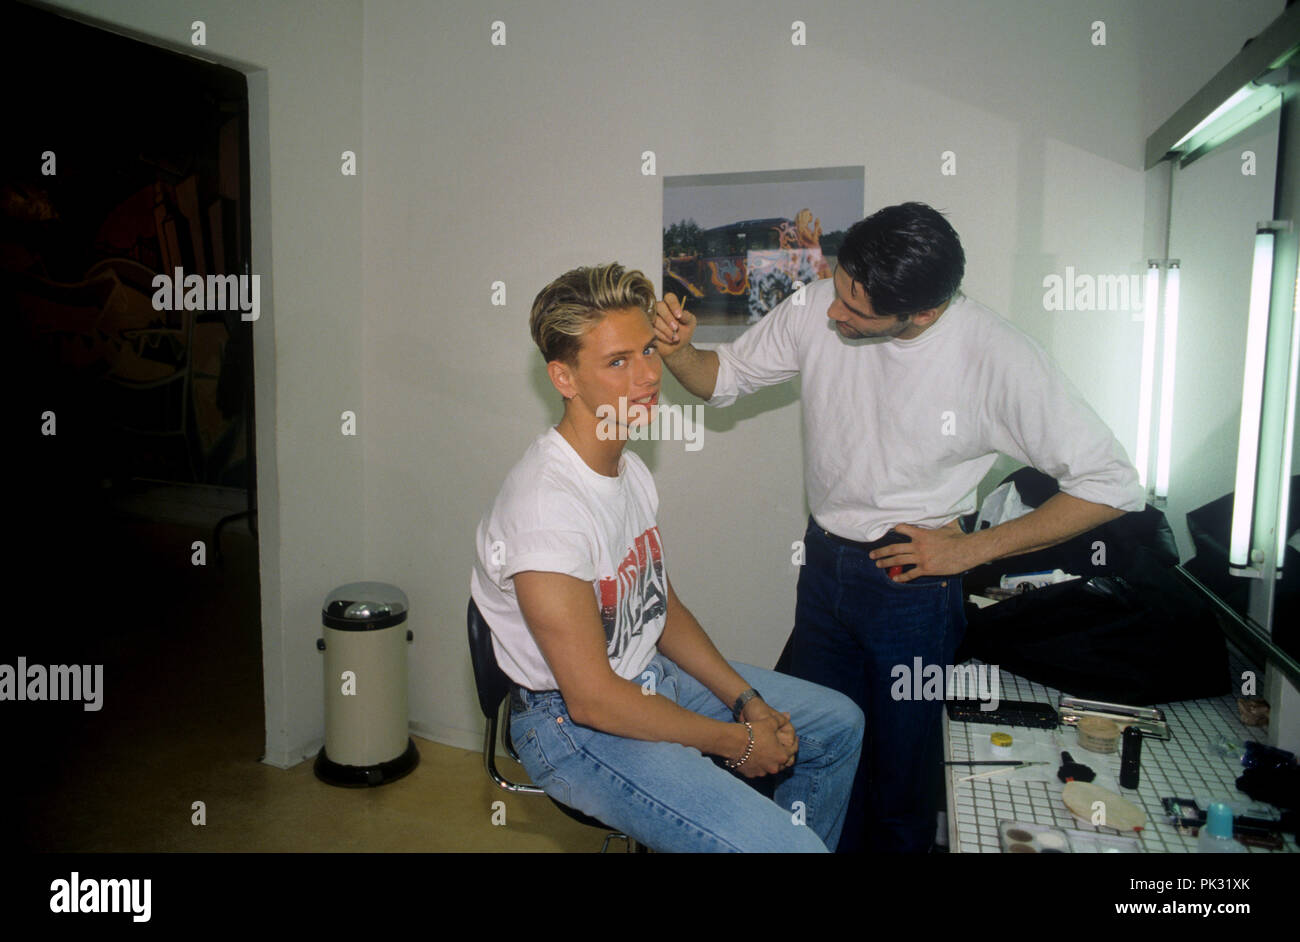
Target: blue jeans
(673, 798)
(853, 627)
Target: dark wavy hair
(907, 258)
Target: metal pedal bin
(366, 739)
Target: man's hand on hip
(945, 551)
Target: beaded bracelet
(734, 764)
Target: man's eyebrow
(622, 353)
(852, 293)
(853, 285)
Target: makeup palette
(1019, 837)
(1022, 837)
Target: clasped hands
(775, 741)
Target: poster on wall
(736, 244)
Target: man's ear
(561, 375)
(926, 318)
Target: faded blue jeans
(671, 797)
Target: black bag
(1141, 638)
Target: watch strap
(741, 700)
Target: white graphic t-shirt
(555, 514)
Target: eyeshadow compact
(1019, 837)
(1022, 837)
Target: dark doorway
(132, 474)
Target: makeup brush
(1071, 771)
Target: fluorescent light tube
(1169, 356)
(1149, 302)
(1233, 101)
(1252, 392)
(1288, 429)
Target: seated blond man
(571, 576)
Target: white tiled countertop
(1184, 766)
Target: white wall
(517, 162)
(304, 62)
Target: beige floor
(182, 722)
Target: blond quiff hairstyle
(570, 305)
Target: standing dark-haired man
(910, 390)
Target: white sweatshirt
(902, 431)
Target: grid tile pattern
(1188, 765)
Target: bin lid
(364, 606)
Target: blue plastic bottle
(1216, 837)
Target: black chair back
(493, 685)
(491, 681)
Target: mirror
(1234, 229)
(1215, 203)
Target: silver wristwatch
(741, 700)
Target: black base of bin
(366, 776)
